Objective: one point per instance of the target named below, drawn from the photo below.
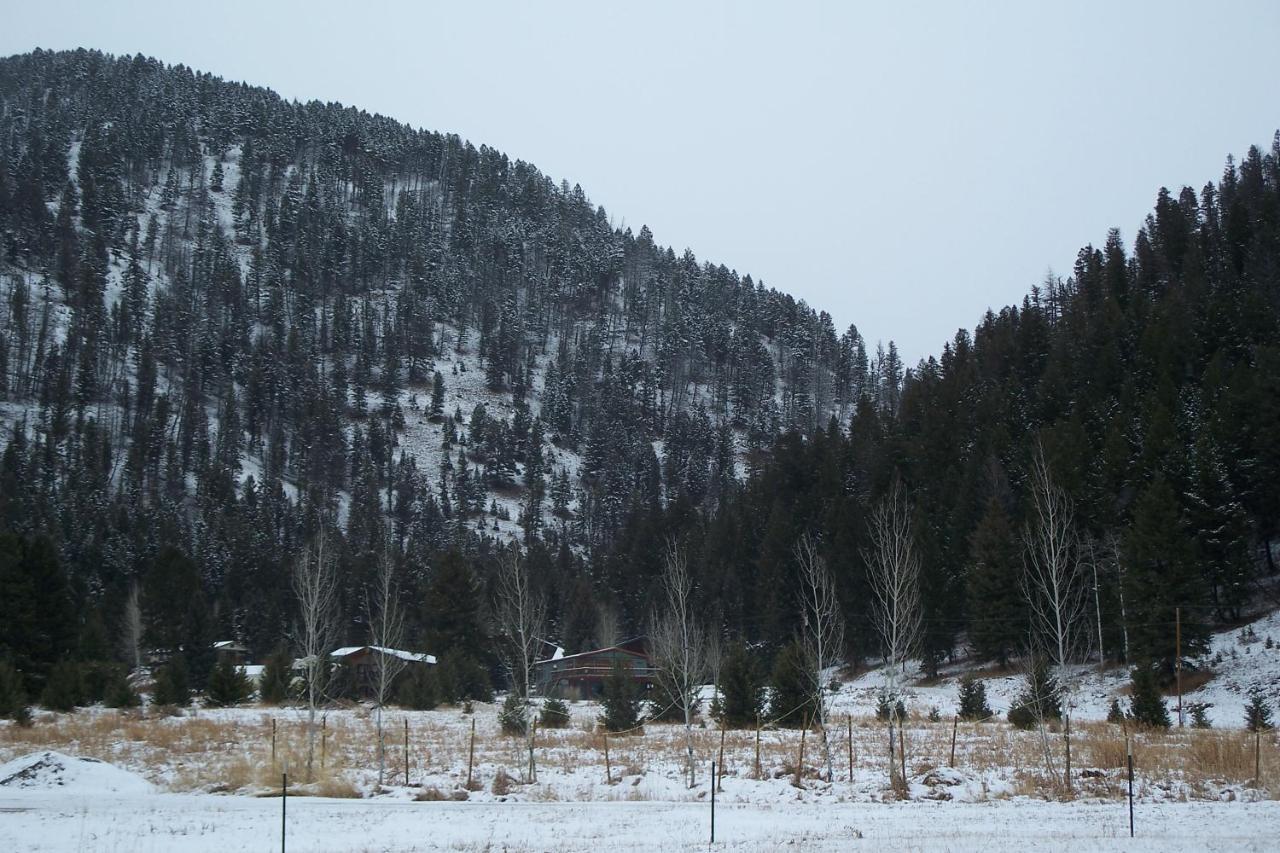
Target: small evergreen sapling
(120, 693)
(1116, 714)
(1146, 707)
(1039, 698)
(1199, 715)
(227, 685)
(973, 699)
(512, 717)
(173, 687)
(65, 688)
(1257, 714)
(273, 683)
(554, 715)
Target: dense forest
(233, 325)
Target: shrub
(1039, 699)
(554, 715)
(1146, 707)
(1257, 714)
(172, 684)
(1200, 719)
(120, 693)
(227, 685)
(65, 688)
(512, 717)
(973, 699)
(883, 708)
(1116, 714)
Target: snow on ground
(46, 823)
(48, 770)
(1239, 658)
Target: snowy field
(161, 822)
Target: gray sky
(902, 166)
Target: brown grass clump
(502, 783)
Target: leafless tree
(521, 615)
(893, 570)
(1054, 585)
(607, 631)
(315, 585)
(823, 627)
(385, 617)
(133, 626)
(678, 644)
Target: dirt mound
(53, 771)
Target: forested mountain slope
(231, 322)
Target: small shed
(231, 651)
(363, 662)
(582, 676)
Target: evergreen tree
(741, 688)
(973, 699)
(1257, 714)
(65, 688)
(172, 684)
(621, 700)
(791, 699)
(13, 695)
(1040, 697)
(1146, 705)
(120, 693)
(273, 683)
(997, 615)
(227, 685)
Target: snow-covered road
(56, 821)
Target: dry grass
(232, 753)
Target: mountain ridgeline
(233, 324)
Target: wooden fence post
(471, 753)
(608, 771)
(757, 746)
(849, 719)
(804, 729)
(955, 724)
(720, 778)
(406, 752)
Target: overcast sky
(902, 166)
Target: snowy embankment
(44, 823)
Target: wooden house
(363, 662)
(582, 675)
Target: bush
(227, 685)
(65, 688)
(621, 700)
(1199, 717)
(1146, 706)
(973, 699)
(1039, 698)
(120, 693)
(512, 718)
(741, 698)
(13, 696)
(1257, 714)
(417, 689)
(172, 684)
(883, 707)
(554, 715)
(1116, 714)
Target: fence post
(757, 746)
(955, 724)
(804, 729)
(324, 740)
(719, 778)
(1257, 756)
(471, 753)
(1128, 749)
(406, 752)
(273, 741)
(902, 753)
(849, 719)
(713, 802)
(608, 771)
(284, 801)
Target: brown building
(582, 676)
(362, 664)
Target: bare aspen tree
(678, 644)
(521, 614)
(1054, 585)
(385, 617)
(893, 571)
(315, 584)
(133, 626)
(822, 623)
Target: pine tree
(621, 699)
(1257, 714)
(172, 685)
(997, 615)
(215, 180)
(791, 699)
(512, 718)
(120, 693)
(227, 685)
(273, 683)
(554, 714)
(437, 396)
(13, 696)
(65, 688)
(973, 699)
(741, 688)
(1146, 705)
(1040, 697)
